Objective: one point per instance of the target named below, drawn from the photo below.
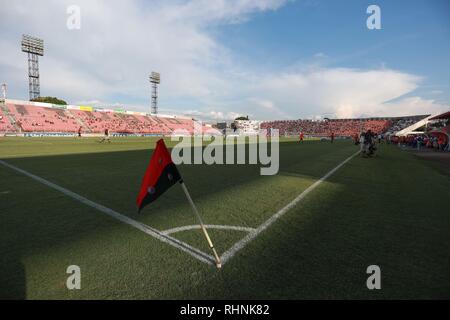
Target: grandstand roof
(444, 115)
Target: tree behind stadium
(52, 100)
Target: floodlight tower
(34, 47)
(154, 80)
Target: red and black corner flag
(160, 175)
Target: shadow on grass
(372, 211)
(110, 176)
(12, 279)
(34, 220)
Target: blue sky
(415, 37)
(218, 59)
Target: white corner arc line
(194, 252)
(207, 226)
(226, 256)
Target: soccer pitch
(368, 211)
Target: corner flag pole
(188, 196)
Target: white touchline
(164, 235)
(207, 226)
(253, 234)
(194, 252)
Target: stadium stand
(5, 124)
(20, 117)
(401, 124)
(26, 117)
(247, 127)
(41, 119)
(340, 127)
(407, 124)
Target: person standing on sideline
(79, 132)
(332, 136)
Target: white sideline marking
(194, 252)
(253, 234)
(207, 226)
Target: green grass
(390, 210)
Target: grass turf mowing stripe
(253, 234)
(194, 252)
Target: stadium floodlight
(34, 47)
(155, 79)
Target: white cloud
(213, 115)
(220, 11)
(268, 106)
(412, 106)
(341, 92)
(120, 42)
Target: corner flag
(160, 175)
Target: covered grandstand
(22, 117)
(339, 127)
(439, 127)
(19, 117)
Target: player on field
(356, 139)
(369, 143)
(301, 137)
(332, 136)
(106, 136)
(79, 132)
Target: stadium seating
(30, 118)
(398, 124)
(340, 127)
(5, 125)
(132, 123)
(401, 124)
(40, 119)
